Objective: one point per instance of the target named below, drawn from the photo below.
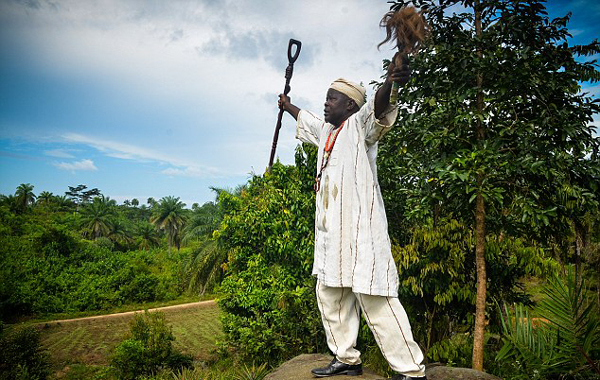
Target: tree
(203, 221)
(45, 197)
(147, 235)
(151, 202)
(63, 202)
(24, 196)
(120, 232)
(169, 215)
(97, 217)
(80, 195)
(495, 130)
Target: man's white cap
(353, 90)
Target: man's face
(336, 107)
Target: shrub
(21, 356)
(148, 349)
(267, 296)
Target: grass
(82, 348)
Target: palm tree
(203, 222)
(97, 217)
(152, 202)
(147, 235)
(169, 215)
(205, 266)
(120, 232)
(25, 196)
(10, 201)
(63, 202)
(45, 197)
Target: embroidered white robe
(352, 246)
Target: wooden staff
(288, 76)
(409, 29)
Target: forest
(491, 182)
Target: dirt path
(127, 313)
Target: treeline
(82, 251)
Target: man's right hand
(285, 104)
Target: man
(353, 261)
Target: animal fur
(407, 27)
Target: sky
(151, 98)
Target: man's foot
(336, 367)
(404, 377)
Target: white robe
(352, 246)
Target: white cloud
(125, 151)
(59, 153)
(85, 165)
(121, 150)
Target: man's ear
(352, 106)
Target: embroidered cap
(353, 90)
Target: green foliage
(225, 369)
(252, 372)
(24, 196)
(494, 130)
(203, 221)
(50, 269)
(21, 355)
(97, 217)
(79, 195)
(48, 266)
(204, 266)
(565, 342)
(537, 163)
(169, 216)
(147, 235)
(267, 296)
(453, 351)
(437, 284)
(149, 349)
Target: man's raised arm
(399, 74)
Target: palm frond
(568, 340)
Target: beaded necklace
(326, 155)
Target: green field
(90, 341)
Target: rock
(455, 373)
(299, 368)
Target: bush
(47, 267)
(21, 356)
(148, 349)
(267, 296)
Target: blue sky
(154, 98)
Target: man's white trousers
(385, 316)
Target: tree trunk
(478, 334)
(479, 330)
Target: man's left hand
(399, 70)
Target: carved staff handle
(292, 57)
